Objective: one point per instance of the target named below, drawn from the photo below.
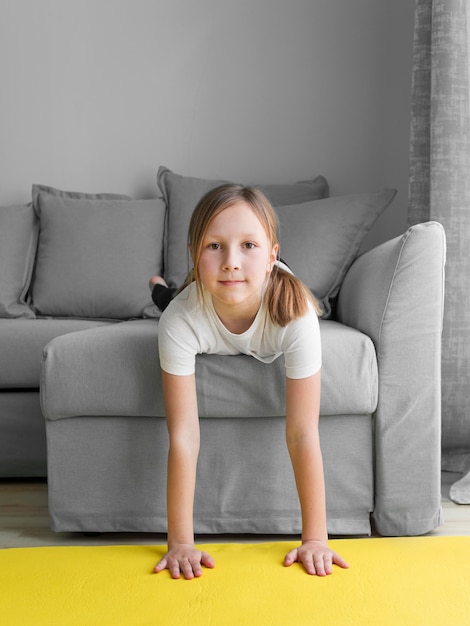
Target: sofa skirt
(108, 474)
(22, 434)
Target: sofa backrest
(74, 254)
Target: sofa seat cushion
(22, 342)
(114, 371)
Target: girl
(238, 300)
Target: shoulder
(183, 307)
(186, 299)
(307, 323)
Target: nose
(230, 261)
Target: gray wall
(96, 94)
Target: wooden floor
(24, 520)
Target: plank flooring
(24, 520)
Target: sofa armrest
(395, 294)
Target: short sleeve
(302, 347)
(177, 343)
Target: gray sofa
(79, 366)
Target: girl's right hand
(184, 559)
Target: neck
(236, 318)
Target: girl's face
(235, 261)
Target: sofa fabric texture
(128, 360)
(245, 482)
(93, 255)
(23, 345)
(399, 304)
(321, 239)
(79, 365)
(18, 236)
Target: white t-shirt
(188, 327)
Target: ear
(273, 256)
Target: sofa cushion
(18, 235)
(123, 360)
(95, 256)
(22, 344)
(182, 193)
(320, 240)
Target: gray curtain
(440, 190)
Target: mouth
(231, 283)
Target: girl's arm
(179, 393)
(303, 442)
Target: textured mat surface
(405, 581)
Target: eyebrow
(248, 236)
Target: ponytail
(287, 297)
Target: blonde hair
(286, 296)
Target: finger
(160, 566)
(186, 568)
(291, 557)
(174, 569)
(309, 565)
(207, 560)
(328, 564)
(196, 569)
(319, 565)
(338, 560)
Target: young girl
(237, 299)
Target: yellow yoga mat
(397, 582)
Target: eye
(250, 245)
(214, 246)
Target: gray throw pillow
(320, 240)
(182, 193)
(95, 256)
(18, 236)
(78, 195)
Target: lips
(231, 283)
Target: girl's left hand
(316, 557)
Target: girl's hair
(286, 296)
